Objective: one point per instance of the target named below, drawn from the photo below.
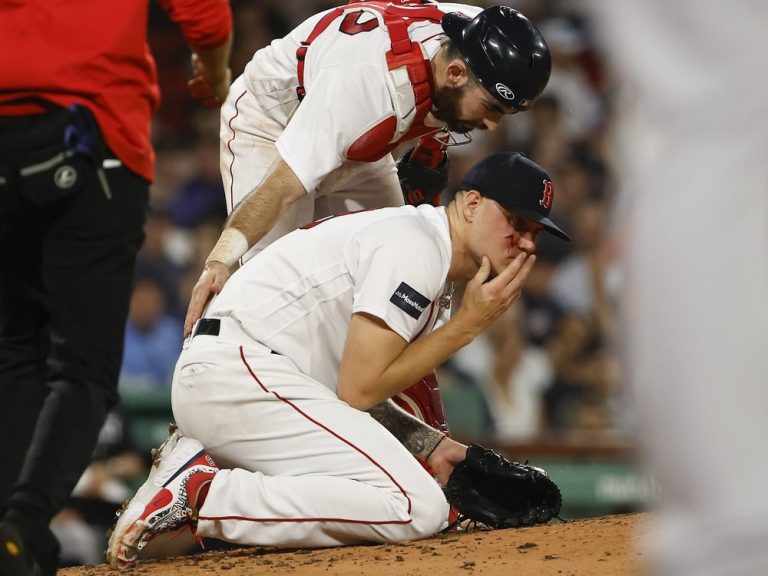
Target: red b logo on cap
(546, 197)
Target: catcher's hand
(420, 183)
(497, 492)
(211, 282)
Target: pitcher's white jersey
(297, 298)
(302, 467)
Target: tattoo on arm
(419, 438)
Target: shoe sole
(126, 538)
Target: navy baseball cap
(518, 184)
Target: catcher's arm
(423, 441)
(249, 222)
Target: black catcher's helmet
(506, 53)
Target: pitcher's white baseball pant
(300, 467)
(247, 152)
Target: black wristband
(434, 447)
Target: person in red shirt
(78, 87)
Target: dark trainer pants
(67, 252)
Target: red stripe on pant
(347, 442)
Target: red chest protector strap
(397, 16)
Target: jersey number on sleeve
(351, 25)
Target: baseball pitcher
(286, 433)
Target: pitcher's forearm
(417, 437)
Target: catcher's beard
(447, 107)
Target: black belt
(211, 327)
(207, 327)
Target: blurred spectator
(174, 164)
(512, 374)
(584, 286)
(542, 312)
(154, 261)
(546, 117)
(153, 339)
(201, 193)
(587, 281)
(581, 104)
(581, 177)
(585, 377)
(256, 25)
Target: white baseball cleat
(167, 500)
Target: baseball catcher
(488, 488)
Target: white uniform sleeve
(399, 274)
(341, 105)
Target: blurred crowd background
(547, 374)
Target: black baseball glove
(488, 488)
(421, 184)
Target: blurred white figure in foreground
(694, 138)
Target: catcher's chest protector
(395, 16)
(423, 400)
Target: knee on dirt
(429, 512)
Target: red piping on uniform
(229, 147)
(345, 520)
(347, 442)
(431, 310)
(428, 38)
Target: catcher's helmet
(505, 51)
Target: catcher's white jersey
(298, 297)
(349, 91)
(349, 87)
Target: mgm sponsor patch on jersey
(409, 300)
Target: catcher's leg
(423, 400)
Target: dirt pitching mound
(593, 547)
